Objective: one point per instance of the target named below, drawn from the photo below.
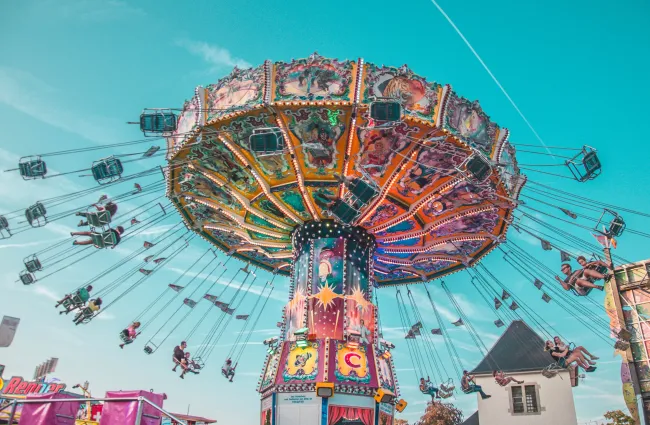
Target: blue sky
(72, 72)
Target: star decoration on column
(358, 296)
(326, 295)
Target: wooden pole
(613, 282)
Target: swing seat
(32, 264)
(362, 191)
(622, 345)
(107, 170)
(35, 215)
(4, 224)
(26, 277)
(104, 239)
(151, 151)
(445, 394)
(125, 338)
(386, 111)
(448, 386)
(479, 168)
(32, 167)
(468, 390)
(615, 223)
(148, 349)
(73, 302)
(99, 218)
(86, 315)
(552, 370)
(154, 122)
(585, 165)
(199, 363)
(266, 141)
(5, 233)
(344, 212)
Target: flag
(241, 317)
(159, 260)
(175, 287)
(137, 187)
(220, 304)
(211, 298)
(134, 221)
(602, 239)
(546, 245)
(418, 325)
(514, 306)
(410, 335)
(190, 303)
(569, 213)
(416, 331)
(148, 258)
(564, 257)
(279, 324)
(546, 298)
(228, 310)
(497, 303)
(499, 323)
(145, 272)
(436, 331)
(505, 295)
(538, 284)
(458, 322)
(148, 245)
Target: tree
(617, 417)
(441, 414)
(401, 422)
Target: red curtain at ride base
(337, 413)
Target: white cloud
(217, 57)
(105, 316)
(28, 94)
(45, 292)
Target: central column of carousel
(329, 336)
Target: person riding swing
(179, 354)
(188, 365)
(129, 334)
(469, 386)
(503, 380)
(575, 280)
(228, 370)
(426, 387)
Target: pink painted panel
(58, 413)
(125, 412)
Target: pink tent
(125, 412)
(57, 413)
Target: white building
(539, 400)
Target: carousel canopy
(267, 149)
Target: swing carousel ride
(345, 177)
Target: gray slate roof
(472, 420)
(519, 349)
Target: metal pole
(643, 419)
(138, 417)
(14, 404)
(163, 411)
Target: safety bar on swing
(15, 403)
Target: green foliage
(441, 414)
(617, 417)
